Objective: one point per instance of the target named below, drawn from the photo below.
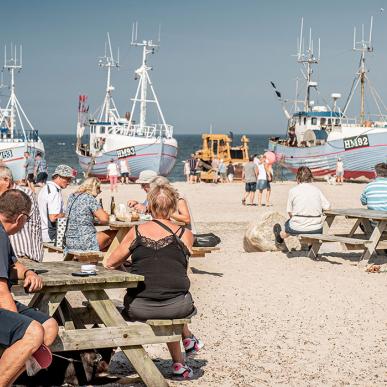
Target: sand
(273, 319)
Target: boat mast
(363, 46)
(148, 47)
(307, 58)
(109, 111)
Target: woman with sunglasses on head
(82, 208)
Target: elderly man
(26, 243)
(145, 178)
(374, 195)
(22, 330)
(50, 200)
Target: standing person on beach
(50, 201)
(230, 172)
(222, 171)
(249, 177)
(112, 175)
(215, 168)
(339, 171)
(125, 171)
(29, 167)
(186, 170)
(305, 207)
(374, 195)
(40, 170)
(193, 164)
(262, 182)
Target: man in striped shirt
(374, 195)
(26, 243)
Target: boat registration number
(6, 154)
(130, 151)
(356, 142)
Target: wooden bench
(76, 255)
(136, 333)
(316, 240)
(200, 252)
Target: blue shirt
(374, 195)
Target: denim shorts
(262, 185)
(251, 187)
(292, 232)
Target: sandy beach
(273, 319)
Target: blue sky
(214, 65)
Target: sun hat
(63, 171)
(146, 176)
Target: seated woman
(183, 212)
(82, 208)
(306, 204)
(159, 250)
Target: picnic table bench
(100, 309)
(369, 241)
(89, 256)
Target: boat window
(304, 120)
(323, 121)
(314, 121)
(299, 120)
(102, 129)
(337, 121)
(92, 129)
(329, 121)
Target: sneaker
(277, 232)
(192, 345)
(182, 371)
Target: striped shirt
(374, 195)
(28, 241)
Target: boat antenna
(307, 58)
(13, 61)
(109, 110)
(149, 47)
(363, 46)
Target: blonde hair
(162, 201)
(90, 186)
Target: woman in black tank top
(159, 250)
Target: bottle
(112, 206)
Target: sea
(60, 149)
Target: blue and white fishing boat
(318, 135)
(143, 145)
(17, 135)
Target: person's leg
(111, 183)
(175, 351)
(105, 238)
(13, 359)
(260, 197)
(268, 192)
(50, 331)
(252, 195)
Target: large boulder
(259, 234)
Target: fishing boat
(17, 134)
(317, 136)
(108, 136)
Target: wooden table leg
(136, 354)
(328, 223)
(374, 238)
(116, 241)
(313, 252)
(47, 302)
(354, 228)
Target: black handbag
(206, 240)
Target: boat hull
(158, 155)
(358, 162)
(12, 155)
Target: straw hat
(146, 177)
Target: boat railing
(148, 131)
(18, 135)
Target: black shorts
(42, 177)
(125, 174)
(13, 325)
(251, 187)
(292, 232)
(30, 177)
(192, 172)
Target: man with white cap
(50, 200)
(145, 178)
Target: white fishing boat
(109, 136)
(17, 135)
(318, 135)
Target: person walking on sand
(193, 164)
(215, 168)
(249, 177)
(230, 172)
(112, 175)
(29, 167)
(186, 170)
(124, 171)
(222, 171)
(339, 171)
(263, 182)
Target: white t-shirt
(339, 166)
(261, 172)
(112, 169)
(306, 199)
(124, 166)
(53, 202)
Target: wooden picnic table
(74, 335)
(369, 241)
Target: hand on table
(132, 203)
(32, 282)
(140, 208)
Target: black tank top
(163, 263)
